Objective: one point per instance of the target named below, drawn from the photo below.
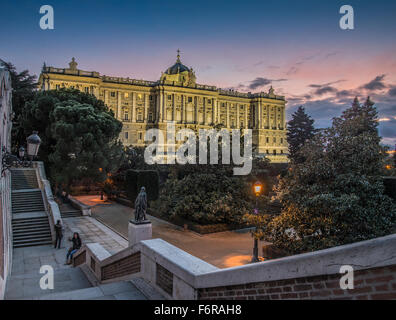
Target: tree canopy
(336, 196)
(79, 135)
(299, 130)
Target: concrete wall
(5, 180)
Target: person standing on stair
(59, 234)
(72, 250)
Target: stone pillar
(119, 105)
(260, 115)
(173, 107)
(237, 116)
(146, 107)
(139, 231)
(203, 111)
(133, 106)
(214, 111)
(246, 117)
(228, 115)
(159, 107)
(162, 105)
(105, 97)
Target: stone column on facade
(246, 117)
(133, 107)
(160, 106)
(214, 111)
(105, 97)
(260, 115)
(204, 111)
(163, 108)
(146, 107)
(237, 116)
(227, 115)
(173, 107)
(119, 105)
(195, 103)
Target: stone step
(30, 226)
(32, 236)
(31, 243)
(21, 234)
(122, 290)
(28, 209)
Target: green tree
(336, 196)
(79, 135)
(299, 130)
(24, 86)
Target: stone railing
(51, 206)
(179, 275)
(85, 209)
(75, 72)
(128, 81)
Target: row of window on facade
(139, 117)
(274, 152)
(126, 95)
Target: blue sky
(296, 46)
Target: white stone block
(139, 232)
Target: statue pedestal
(139, 231)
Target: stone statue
(141, 206)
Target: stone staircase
(28, 200)
(24, 179)
(31, 231)
(30, 226)
(68, 211)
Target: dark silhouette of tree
(299, 129)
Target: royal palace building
(177, 98)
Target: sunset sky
(297, 46)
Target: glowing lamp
(258, 188)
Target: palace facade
(176, 96)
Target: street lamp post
(33, 145)
(257, 188)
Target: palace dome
(178, 67)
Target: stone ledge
(369, 254)
(182, 264)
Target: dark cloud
(376, 84)
(392, 92)
(261, 82)
(344, 93)
(325, 90)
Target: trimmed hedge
(134, 180)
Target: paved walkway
(223, 249)
(24, 282)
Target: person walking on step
(74, 248)
(59, 234)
